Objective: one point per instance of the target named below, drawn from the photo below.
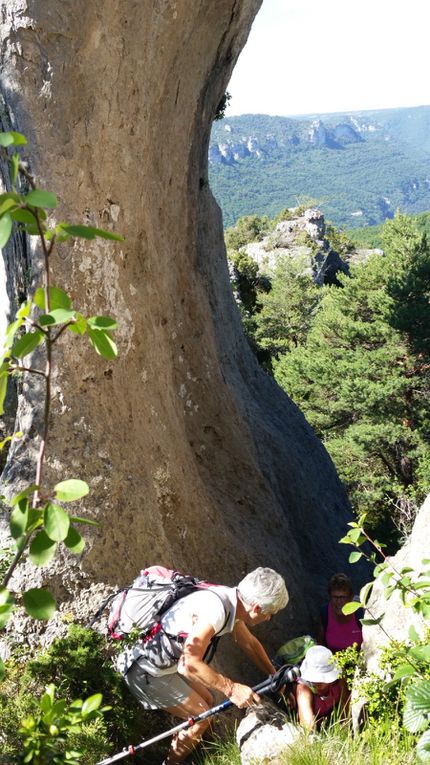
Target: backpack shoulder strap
(211, 649)
(324, 615)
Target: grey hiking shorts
(157, 692)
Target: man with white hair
(184, 689)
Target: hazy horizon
(313, 58)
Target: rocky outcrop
(236, 146)
(301, 237)
(194, 456)
(398, 618)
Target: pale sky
(305, 56)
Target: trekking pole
(272, 684)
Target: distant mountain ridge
(359, 167)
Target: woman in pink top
(337, 631)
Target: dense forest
(358, 167)
(355, 357)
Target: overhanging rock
(194, 456)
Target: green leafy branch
(46, 734)
(414, 590)
(413, 587)
(38, 520)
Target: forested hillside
(353, 354)
(358, 167)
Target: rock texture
(301, 237)
(398, 618)
(194, 457)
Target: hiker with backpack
(167, 667)
(336, 630)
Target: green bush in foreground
(79, 667)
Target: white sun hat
(318, 666)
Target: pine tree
(362, 376)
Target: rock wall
(398, 619)
(194, 456)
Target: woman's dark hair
(340, 582)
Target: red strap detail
(114, 620)
(191, 721)
(156, 628)
(131, 750)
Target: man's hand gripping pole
(273, 684)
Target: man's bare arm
(253, 648)
(192, 667)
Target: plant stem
(48, 367)
(15, 561)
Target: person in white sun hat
(320, 689)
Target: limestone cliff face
(194, 456)
(397, 618)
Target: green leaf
(6, 606)
(103, 343)
(89, 232)
(365, 592)
(24, 216)
(355, 556)
(102, 322)
(5, 597)
(15, 437)
(11, 332)
(57, 298)
(351, 607)
(82, 232)
(74, 541)
(5, 229)
(42, 549)
(420, 652)
(56, 316)
(19, 519)
(372, 622)
(39, 604)
(14, 167)
(68, 491)
(5, 612)
(79, 327)
(7, 205)
(3, 390)
(45, 703)
(414, 716)
(404, 670)
(18, 198)
(379, 569)
(2, 670)
(40, 198)
(413, 634)
(91, 704)
(12, 138)
(33, 230)
(24, 310)
(423, 747)
(35, 519)
(419, 695)
(77, 519)
(56, 522)
(27, 343)
(22, 494)
(356, 536)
